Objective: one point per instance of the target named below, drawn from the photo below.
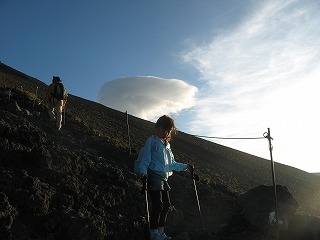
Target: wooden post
(129, 140)
(9, 94)
(34, 100)
(273, 180)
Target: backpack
(137, 162)
(59, 91)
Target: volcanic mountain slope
(78, 183)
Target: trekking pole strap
(192, 173)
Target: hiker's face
(165, 134)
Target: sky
(229, 69)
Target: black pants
(161, 204)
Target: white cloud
(263, 74)
(147, 97)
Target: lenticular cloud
(147, 97)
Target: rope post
(36, 96)
(268, 136)
(9, 94)
(129, 140)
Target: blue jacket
(158, 157)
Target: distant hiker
(56, 98)
(157, 163)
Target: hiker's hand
(142, 176)
(191, 167)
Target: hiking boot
(163, 236)
(154, 235)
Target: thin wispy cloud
(148, 97)
(262, 73)
(251, 75)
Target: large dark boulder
(303, 227)
(258, 208)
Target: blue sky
(221, 68)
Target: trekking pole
(144, 191)
(197, 197)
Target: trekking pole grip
(144, 180)
(192, 172)
(144, 184)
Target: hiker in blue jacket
(157, 163)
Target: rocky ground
(74, 184)
(61, 184)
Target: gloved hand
(193, 175)
(191, 167)
(142, 176)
